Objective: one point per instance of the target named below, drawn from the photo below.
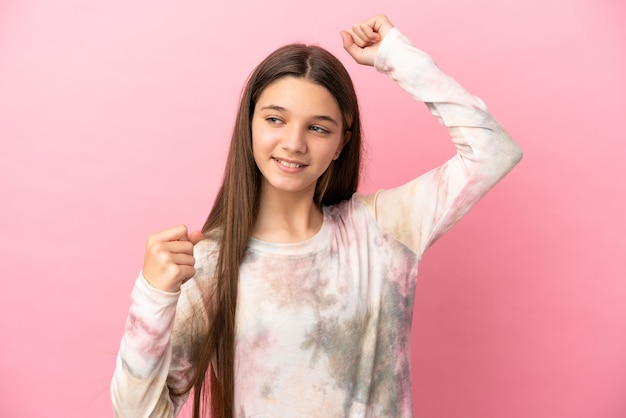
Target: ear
(346, 138)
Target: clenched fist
(169, 260)
(364, 38)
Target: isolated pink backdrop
(114, 122)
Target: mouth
(289, 164)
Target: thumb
(364, 56)
(196, 237)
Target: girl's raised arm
(419, 212)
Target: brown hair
(235, 208)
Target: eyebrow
(316, 117)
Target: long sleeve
(152, 362)
(421, 211)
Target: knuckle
(165, 257)
(157, 248)
(174, 270)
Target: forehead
(299, 95)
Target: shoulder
(346, 208)
(206, 249)
(191, 320)
(368, 202)
(354, 224)
(205, 253)
(354, 213)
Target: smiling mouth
(288, 164)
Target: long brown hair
(236, 205)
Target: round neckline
(313, 244)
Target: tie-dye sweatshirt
(323, 326)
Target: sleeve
(421, 211)
(153, 364)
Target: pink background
(114, 122)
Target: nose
(294, 140)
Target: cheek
(262, 137)
(257, 148)
(263, 144)
(257, 139)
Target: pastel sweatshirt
(324, 325)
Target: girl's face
(297, 131)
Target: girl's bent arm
(422, 210)
(153, 365)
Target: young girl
(296, 299)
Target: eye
(319, 129)
(274, 120)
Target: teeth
(290, 165)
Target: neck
(286, 217)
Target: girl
(296, 298)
